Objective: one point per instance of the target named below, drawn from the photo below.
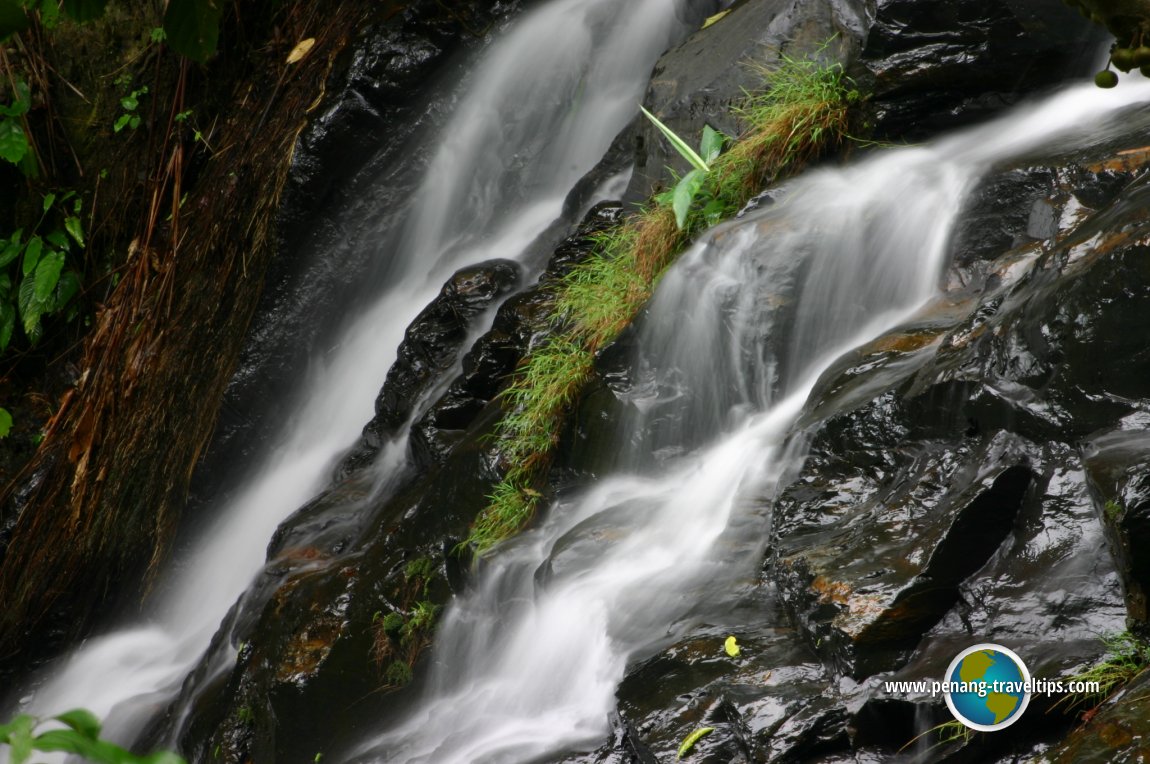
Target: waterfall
(497, 179)
(525, 666)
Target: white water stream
(526, 667)
(534, 115)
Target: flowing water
(498, 178)
(526, 666)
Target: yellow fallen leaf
(300, 50)
(712, 19)
(732, 647)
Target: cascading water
(526, 666)
(534, 116)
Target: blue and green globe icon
(989, 687)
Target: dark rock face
(429, 349)
(935, 66)
(925, 66)
(699, 82)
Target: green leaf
(714, 211)
(48, 275)
(6, 729)
(122, 122)
(49, 13)
(66, 289)
(711, 144)
(13, 19)
(75, 228)
(57, 239)
(32, 254)
(20, 738)
(85, 10)
(690, 740)
(30, 309)
(81, 720)
(193, 27)
(130, 102)
(685, 193)
(23, 99)
(71, 741)
(7, 323)
(13, 142)
(5, 428)
(680, 145)
(11, 248)
(160, 757)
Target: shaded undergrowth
(802, 113)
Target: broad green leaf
(81, 720)
(122, 122)
(680, 145)
(57, 239)
(130, 102)
(731, 645)
(690, 740)
(48, 275)
(5, 428)
(85, 10)
(76, 228)
(685, 193)
(66, 289)
(19, 721)
(193, 27)
(32, 254)
(72, 741)
(13, 142)
(5, 285)
(714, 211)
(30, 309)
(49, 13)
(23, 98)
(49, 200)
(711, 144)
(13, 19)
(7, 326)
(20, 738)
(10, 249)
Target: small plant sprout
(689, 186)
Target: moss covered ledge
(803, 112)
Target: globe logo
(987, 687)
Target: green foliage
(803, 112)
(130, 103)
(682, 197)
(419, 623)
(1113, 510)
(80, 737)
(191, 27)
(34, 281)
(1127, 656)
(13, 141)
(5, 423)
(398, 673)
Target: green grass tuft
(803, 113)
(1127, 656)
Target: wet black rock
(519, 324)
(429, 350)
(699, 82)
(935, 66)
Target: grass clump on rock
(803, 112)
